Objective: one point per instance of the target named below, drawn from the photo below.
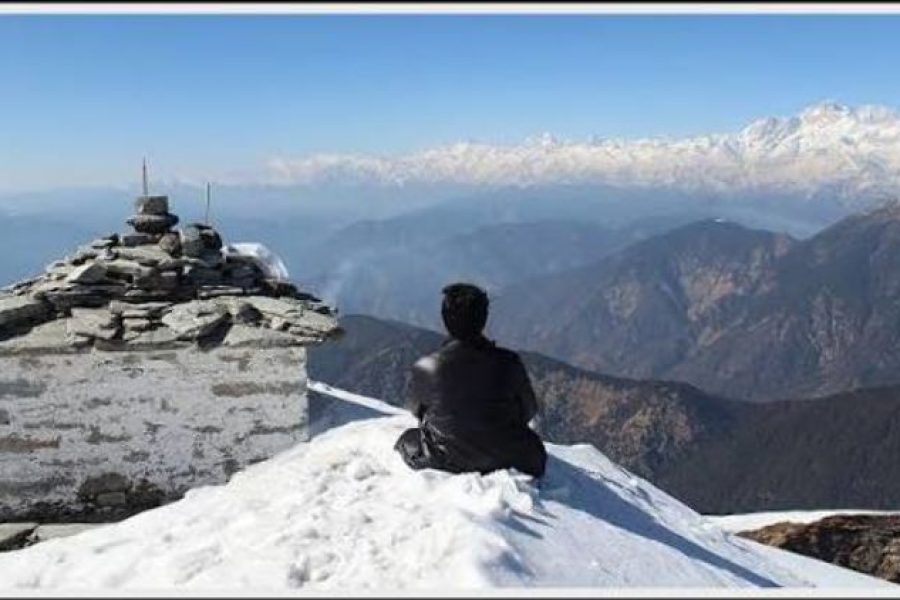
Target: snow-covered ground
(343, 513)
(750, 521)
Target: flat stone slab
(15, 535)
(51, 336)
(16, 309)
(96, 323)
(313, 325)
(193, 320)
(105, 242)
(148, 256)
(59, 270)
(143, 310)
(285, 308)
(94, 296)
(128, 268)
(147, 223)
(260, 337)
(159, 337)
(138, 239)
(91, 272)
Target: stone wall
(145, 364)
(93, 434)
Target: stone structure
(146, 364)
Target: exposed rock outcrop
(866, 543)
(736, 312)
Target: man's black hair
(464, 310)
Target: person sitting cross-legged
(473, 399)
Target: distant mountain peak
(830, 112)
(827, 110)
(715, 227)
(544, 140)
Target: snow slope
(343, 513)
(826, 148)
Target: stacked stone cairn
(158, 285)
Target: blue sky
(84, 97)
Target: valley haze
(794, 173)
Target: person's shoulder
(507, 355)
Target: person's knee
(409, 445)
(410, 437)
(414, 450)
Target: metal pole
(146, 186)
(207, 202)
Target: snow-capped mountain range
(827, 148)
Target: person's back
(473, 399)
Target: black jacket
(474, 402)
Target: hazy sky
(84, 97)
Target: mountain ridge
(644, 310)
(737, 312)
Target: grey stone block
(193, 320)
(152, 205)
(93, 323)
(152, 223)
(170, 243)
(131, 240)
